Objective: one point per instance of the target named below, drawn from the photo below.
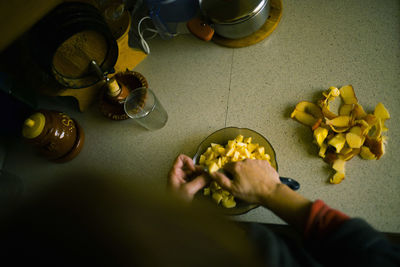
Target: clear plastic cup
(143, 106)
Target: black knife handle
(293, 184)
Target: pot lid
(226, 11)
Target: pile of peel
(342, 136)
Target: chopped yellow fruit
(381, 112)
(366, 153)
(304, 118)
(338, 165)
(348, 95)
(352, 132)
(320, 134)
(345, 150)
(339, 121)
(309, 108)
(359, 112)
(337, 178)
(337, 142)
(346, 109)
(354, 140)
(322, 150)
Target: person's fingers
(222, 180)
(197, 183)
(186, 162)
(231, 167)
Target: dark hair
(86, 220)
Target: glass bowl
(222, 137)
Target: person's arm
(256, 181)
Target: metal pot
(235, 19)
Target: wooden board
(270, 25)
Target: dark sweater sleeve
(323, 220)
(334, 239)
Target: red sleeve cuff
(323, 220)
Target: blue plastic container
(166, 14)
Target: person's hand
(253, 180)
(185, 179)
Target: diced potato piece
(251, 147)
(213, 167)
(348, 95)
(229, 202)
(266, 157)
(225, 193)
(211, 156)
(230, 152)
(219, 163)
(337, 178)
(214, 186)
(339, 121)
(261, 150)
(217, 197)
(236, 156)
(320, 134)
(366, 153)
(239, 138)
(221, 150)
(247, 153)
(354, 140)
(202, 159)
(247, 140)
(338, 142)
(381, 112)
(206, 191)
(241, 144)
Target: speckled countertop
(205, 87)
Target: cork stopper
(33, 126)
(113, 88)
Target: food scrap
(342, 136)
(216, 156)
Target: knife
(292, 183)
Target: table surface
(205, 87)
